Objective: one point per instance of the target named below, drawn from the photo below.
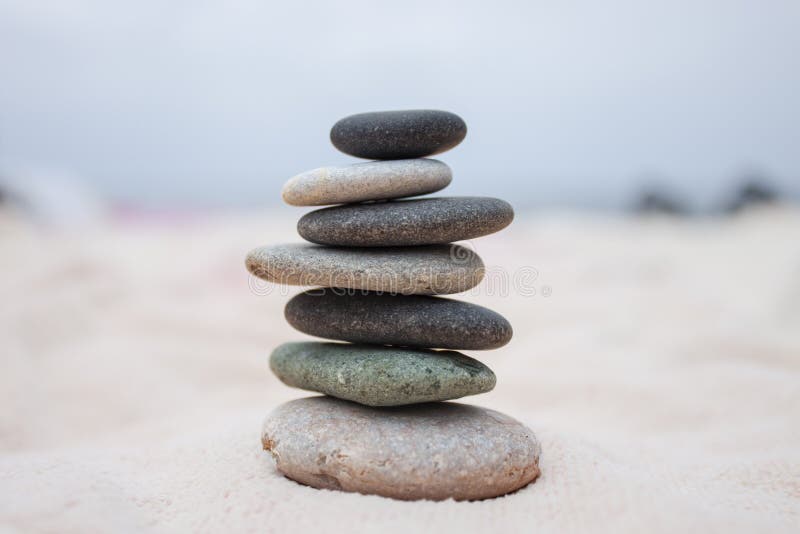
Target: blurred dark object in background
(754, 191)
(659, 200)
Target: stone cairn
(377, 263)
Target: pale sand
(662, 376)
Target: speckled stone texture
(373, 180)
(380, 376)
(427, 451)
(400, 320)
(414, 133)
(423, 221)
(431, 270)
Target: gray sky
(568, 103)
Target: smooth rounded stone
(423, 221)
(373, 180)
(426, 451)
(413, 133)
(402, 320)
(432, 270)
(380, 376)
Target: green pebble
(380, 376)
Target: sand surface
(658, 361)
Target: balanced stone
(412, 133)
(426, 451)
(435, 269)
(380, 376)
(402, 320)
(421, 221)
(373, 180)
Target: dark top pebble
(404, 134)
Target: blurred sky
(201, 103)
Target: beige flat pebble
(427, 270)
(374, 180)
(427, 451)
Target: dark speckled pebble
(402, 320)
(380, 376)
(413, 133)
(425, 221)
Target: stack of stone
(377, 263)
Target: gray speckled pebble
(373, 180)
(412, 133)
(426, 451)
(436, 269)
(423, 221)
(401, 320)
(380, 376)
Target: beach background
(652, 273)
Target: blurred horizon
(577, 105)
